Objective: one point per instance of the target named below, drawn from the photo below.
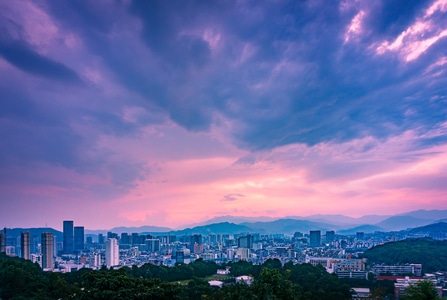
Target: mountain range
(266, 225)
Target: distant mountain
(402, 222)
(436, 227)
(217, 228)
(333, 219)
(361, 228)
(345, 220)
(288, 226)
(232, 219)
(427, 214)
(122, 229)
(15, 232)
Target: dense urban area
(306, 265)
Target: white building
(112, 253)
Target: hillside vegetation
(432, 254)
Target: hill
(436, 227)
(217, 228)
(288, 226)
(396, 223)
(427, 214)
(15, 232)
(122, 229)
(432, 254)
(362, 228)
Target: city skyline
(163, 113)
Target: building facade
(25, 243)
(78, 238)
(47, 250)
(112, 253)
(68, 237)
(315, 238)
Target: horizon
(207, 221)
(127, 113)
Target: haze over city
(168, 113)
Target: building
(315, 238)
(95, 260)
(245, 241)
(100, 239)
(361, 294)
(394, 270)
(125, 239)
(351, 268)
(330, 236)
(79, 238)
(47, 250)
(3, 241)
(243, 253)
(360, 235)
(68, 237)
(153, 245)
(112, 253)
(25, 245)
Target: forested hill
(21, 279)
(432, 254)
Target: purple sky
(172, 112)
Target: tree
(423, 290)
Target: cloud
(232, 197)
(21, 56)
(292, 101)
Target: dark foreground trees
(423, 290)
(20, 279)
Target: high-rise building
(79, 238)
(25, 243)
(112, 253)
(153, 245)
(68, 237)
(315, 238)
(360, 235)
(245, 241)
(330, 236)
(47, 250)
(3, 241)
(100, 239)
(125, 239)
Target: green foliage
(20, 279)
(430, 253)
(423, 290)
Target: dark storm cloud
(279, 73)
(23, 57)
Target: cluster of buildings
(338, 254)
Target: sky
(168, 113)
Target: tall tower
(112, 253)
(3, 241)
(47, 250)
(68, 237)
(330, 236)
(315, 238)
(79, 238)
(25, 245)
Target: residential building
(47, 250)
(112, 253)
(25, 245)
